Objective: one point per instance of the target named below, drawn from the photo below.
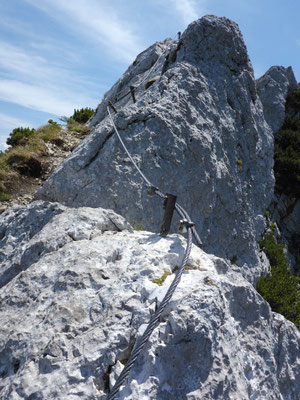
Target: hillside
(32, 156)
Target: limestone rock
(273, 88)
(197, 131)
(27, 233)
(70, 319)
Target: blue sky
(57, 55)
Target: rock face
(71, 317)
(273, 88)
(197, 131)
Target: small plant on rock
(19, 136)
(160, 281)
(280, 287)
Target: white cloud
(8, 122)
(189, 10)
(26, 65)
(56, 100)
(97, 21)
(32, 81)
(16, 61)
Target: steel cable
(180, 210)
(127, 152)
(154, 322)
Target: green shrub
(287, 150)
(239, 163)
(77, 127)
(287, 158)
(51, 122)
(19, 135)
(4, 196)
(83, 115)
(279, 287)
(293, 100)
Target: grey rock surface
(273, 88)
(197, 131)
(70, 319)
(27, 233)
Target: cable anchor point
(184, 224)
(112, 107)
(132, 89)
(151, 190)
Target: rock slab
(70, 319)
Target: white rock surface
(198, 131)
(273, 88)
(70, 319)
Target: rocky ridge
(201, 118)
(78, 283)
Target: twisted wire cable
(127, 152)
(154, 322)
(179, 209)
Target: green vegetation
(188, 267)
(239, 163)
(23, 157)
(160, 281)
(287, 149)
(293, 100)
(4, 196)
(83, 115)
(74, 126)
(280, 287)
(19, 136)
(51, 122)
(287, 158)
(48, 133)
(28, 146)
(138, 227)
(267, 214)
